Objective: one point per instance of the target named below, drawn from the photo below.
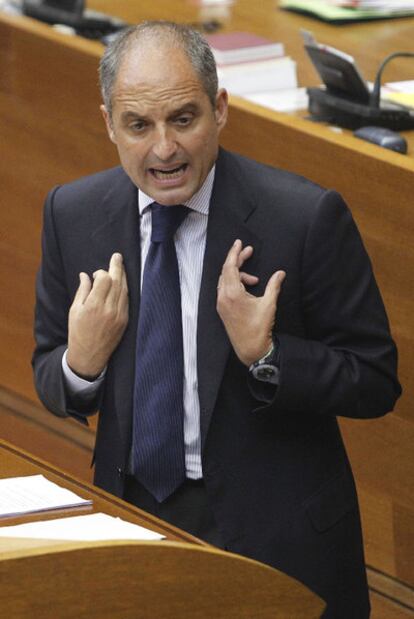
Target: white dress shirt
(190, 242)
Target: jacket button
(120, 472)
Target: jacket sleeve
(347, 362)
(51, 327)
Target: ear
(108, 123)
(221, 108)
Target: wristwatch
(266, 369)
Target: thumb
(274, 286)
(83, 289)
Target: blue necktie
(158, 434)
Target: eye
(137, 125)
(184, 120)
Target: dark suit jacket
(275, 467)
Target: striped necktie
(158, 433)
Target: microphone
(375, 98)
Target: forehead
(160, 70)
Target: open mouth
(172, 174)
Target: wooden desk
(178, 577)
(51, 132)
(15, 462)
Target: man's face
(163, 123)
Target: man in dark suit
(269, 362)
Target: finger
(248, 279)
(233, 255)
(102, 283)
(83, 289)
(124, 282)
(244, 255)
(274, 286)
(116, 267)
(116, 271)
(123, 295)
(230, 272)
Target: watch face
(266, 371)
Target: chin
(173, 196)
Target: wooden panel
(56, 581)
(383, 608)
(378, 528)
(65, 443)
(380, 451)
(52, 137)
(391, 588)
(404, 542)
(382, 458)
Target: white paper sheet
(283, 100)
(35, 493)
(92, 527)
(406, 86)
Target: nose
(165, 145)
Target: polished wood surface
(51, 132)
(180, 577)
(138, 580)
(368, 42)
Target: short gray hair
(191, 42)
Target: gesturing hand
(97, 318)
(248, 320)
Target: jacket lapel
(230, 209)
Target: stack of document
(233, 47)
(342, 11)
(376, 5)
(399, 92)
(31, 494)
(34, 493)
(90, 528)
(247, 63)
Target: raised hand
(248, 320)
(97, 319)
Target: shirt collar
(200, 201)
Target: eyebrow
(131, 115)
(187, 107)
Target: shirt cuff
(78, 386)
